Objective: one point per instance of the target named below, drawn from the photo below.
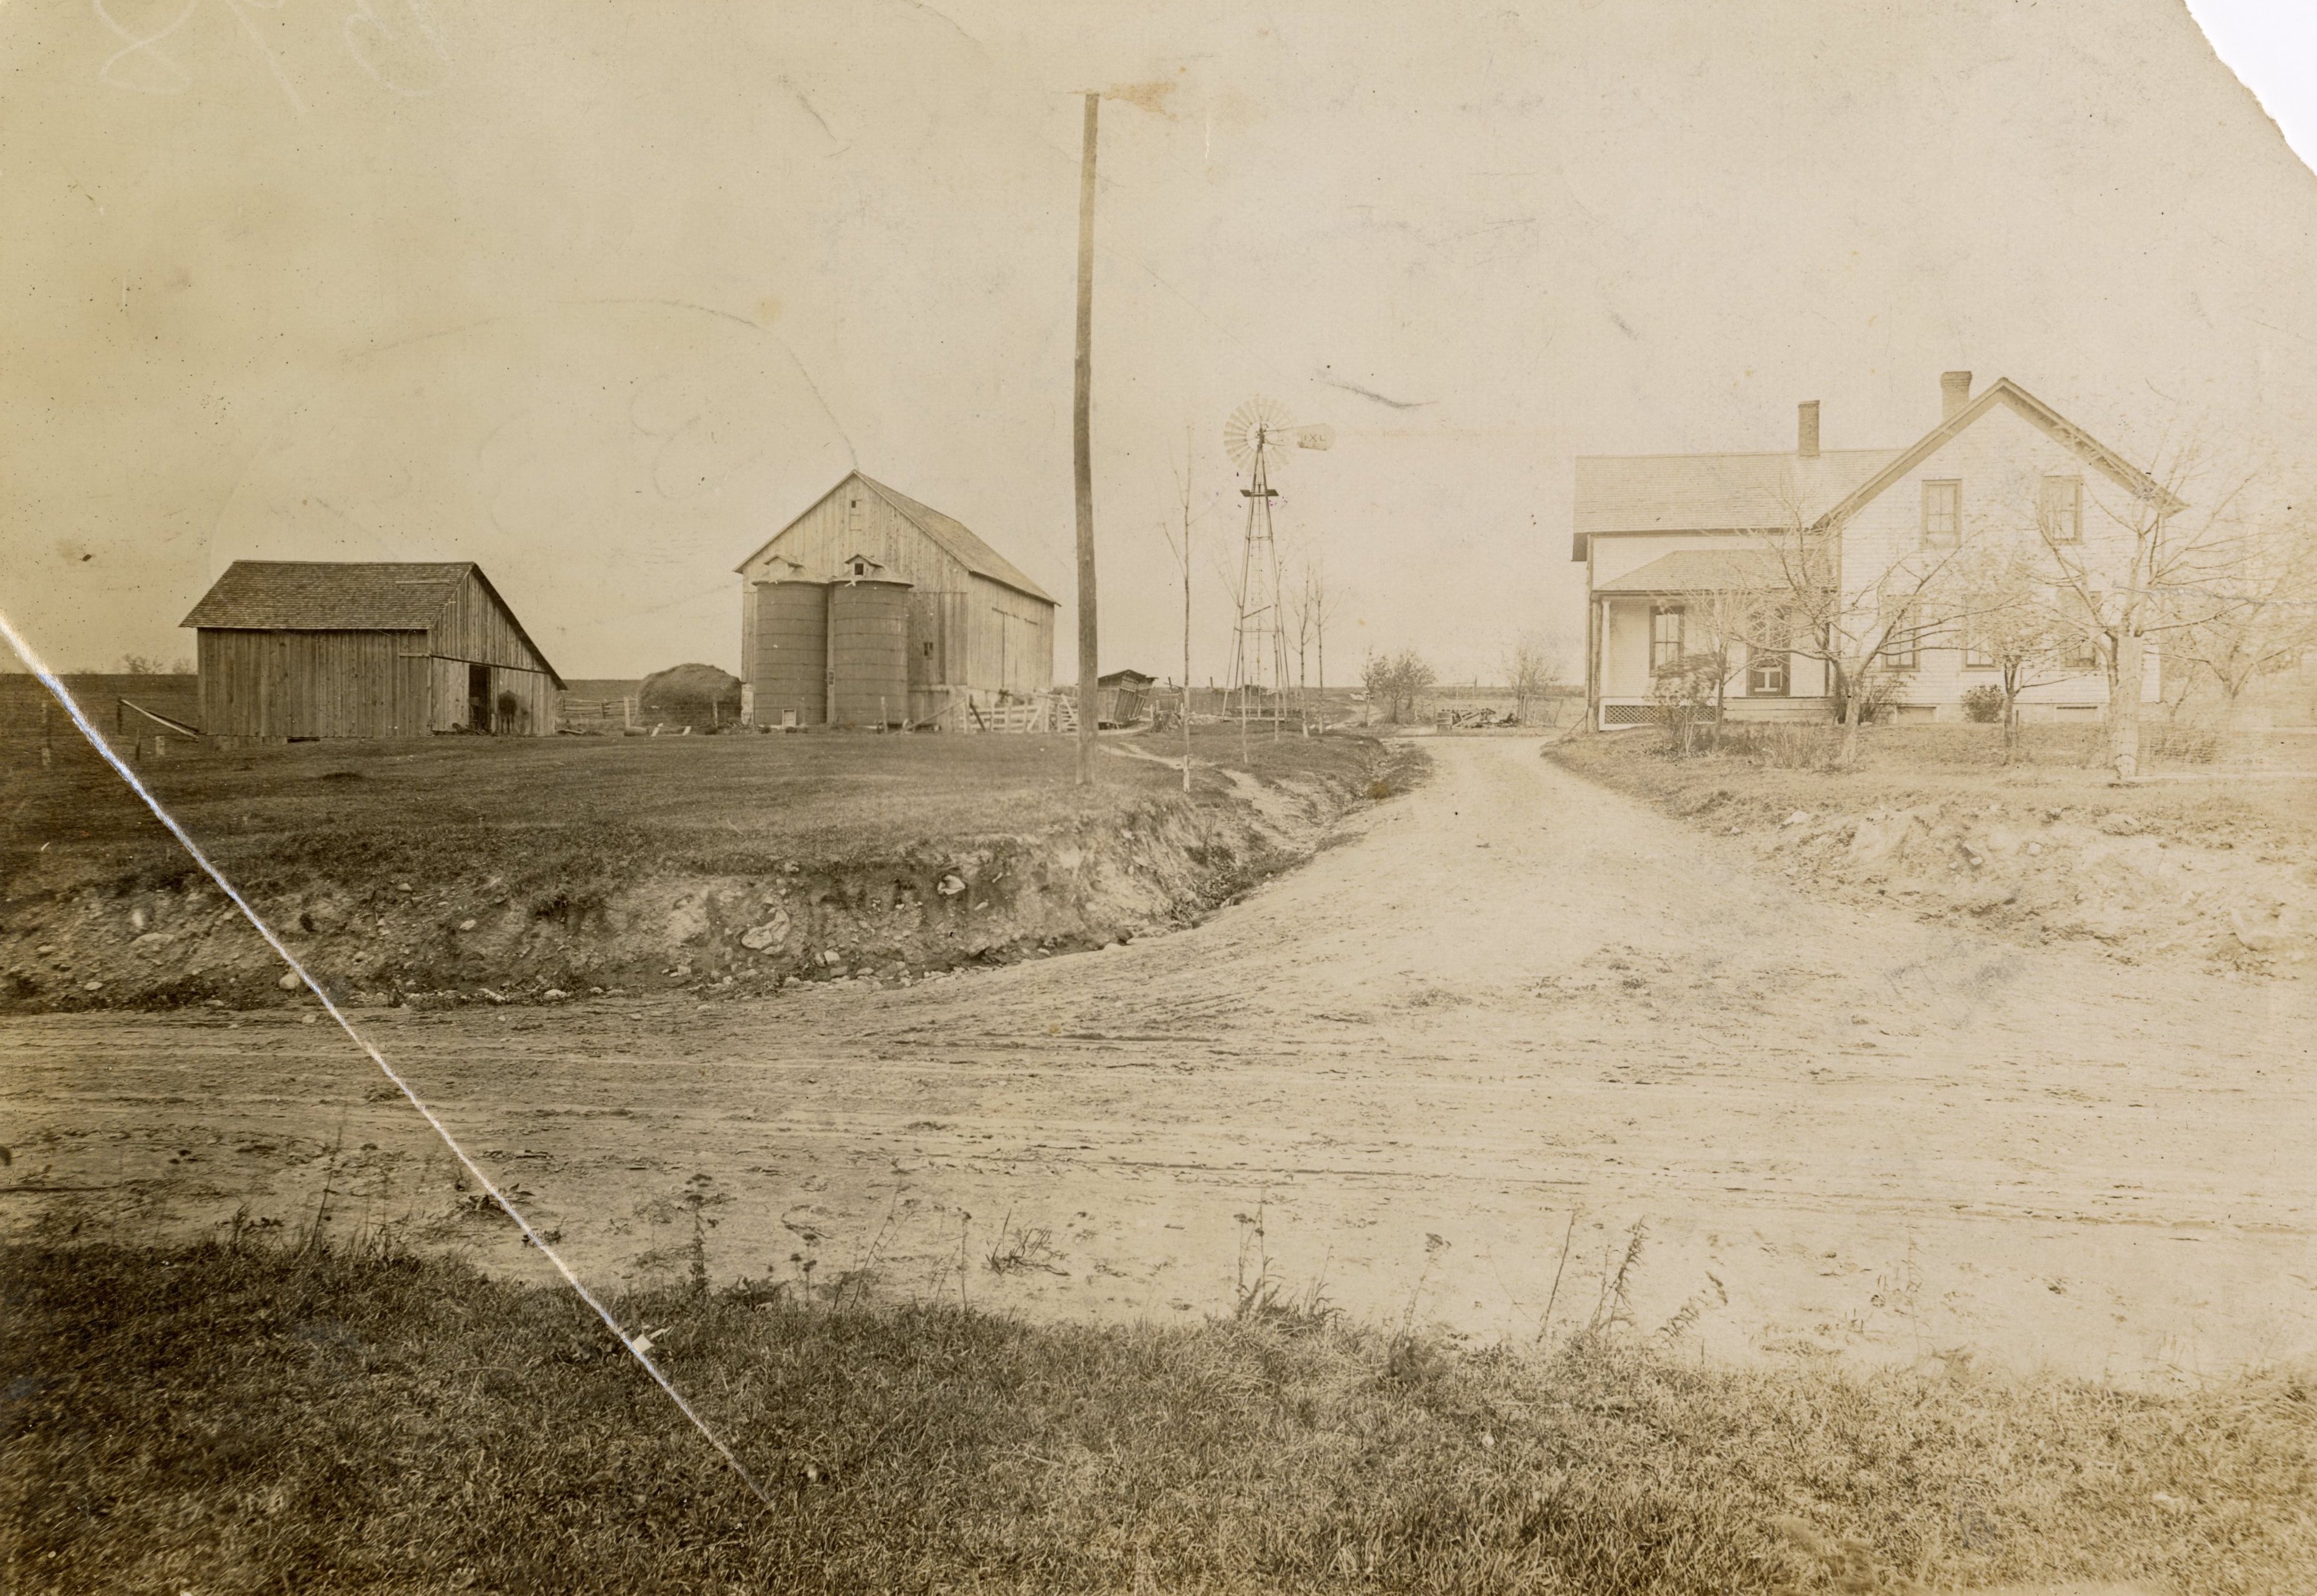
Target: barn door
(478, 698)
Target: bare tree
(2262, 618)
(1858, 630)
(2155, 567)
(2014, 629)
(1531, 663)
(1723, 626)
(1311, 606)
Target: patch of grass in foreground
(241, 1418)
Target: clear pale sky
(602, 295)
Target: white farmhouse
(1665, 539)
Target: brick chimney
(1806, 429)
(1954, 393)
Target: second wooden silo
(868, 647)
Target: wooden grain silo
(868, 646)
(789, 662)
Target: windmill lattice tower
(1258, 437)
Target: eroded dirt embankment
(893, 916)
(2050, 871)
(2140, 874)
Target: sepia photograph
(1159, 796)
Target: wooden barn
(978, 629)
(298, 649)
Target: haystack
(693, 695)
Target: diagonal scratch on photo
(1101, 798)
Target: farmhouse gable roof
(1756, 492)
(2038, 413)
(1716, 493)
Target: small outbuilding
(1124, 696)
(293, 650)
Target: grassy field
(543, 808)
(244, 1417)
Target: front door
(478, 698)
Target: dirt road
(1506, 999)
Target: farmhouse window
(2083, 651)
(1978, 654)
(2063, 509)
(1769, 675)
(1665, 638)
(1942, 514)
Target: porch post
(1593, 626)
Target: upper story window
(1665, 638)
(1942, 514)
(2061, 510)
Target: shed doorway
(478, 698)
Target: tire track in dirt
(1506, 996)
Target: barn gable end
(977, 626)
(294, 649)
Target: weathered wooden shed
(978, 630)
(298, 649)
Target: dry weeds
(255, 1416)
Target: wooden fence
(590, 715)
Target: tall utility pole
(1186, 609)
(1082, 440)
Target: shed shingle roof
(294, 595)
(326, 596)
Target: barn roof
(961, 545)
(283, 595)
(951, 535)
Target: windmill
(1260, 438)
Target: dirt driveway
(1508, 1000)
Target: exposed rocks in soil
(915, 913)
(2044, 873)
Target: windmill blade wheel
(1261, 424)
